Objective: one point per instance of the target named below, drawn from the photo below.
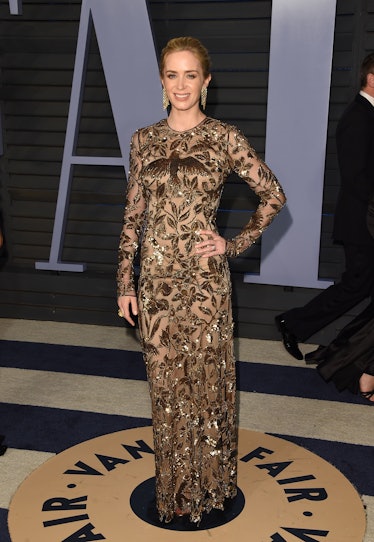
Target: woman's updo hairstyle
(186, 43)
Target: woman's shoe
(366, 381)
(180, 513)
(367, 395)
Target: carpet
(54, 396)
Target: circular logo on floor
(103, 489)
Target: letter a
(122, 28)
(84, 534)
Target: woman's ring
(120, 313)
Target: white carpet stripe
(310, 418)
(121, 338)
(15, 466)
(269, 352)
(257, 411)
(75, 392)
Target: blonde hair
(186, 43)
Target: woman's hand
(212, 245)
(128, 306)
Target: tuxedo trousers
(356, 284)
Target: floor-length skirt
(187, 335)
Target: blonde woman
(178, 168)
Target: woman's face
(183, 80)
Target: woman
(178, 167)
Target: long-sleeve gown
(185, 319)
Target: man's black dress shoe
(289, 339)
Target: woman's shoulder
(223, 128)
(150, 129)
(220, 125)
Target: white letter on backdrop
(129, 61)
(302, 35)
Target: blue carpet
(4, 533)
(72, 359)
(34, 428)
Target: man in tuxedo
(355, 151)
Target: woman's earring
(204, 93)
(165, 99)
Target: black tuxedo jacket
(355, 148)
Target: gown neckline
(185, 131)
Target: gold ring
(120, 313)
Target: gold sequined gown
(185, 320)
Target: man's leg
(356, 284)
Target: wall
(36, 63)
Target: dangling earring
(204, 93)
(165, 99)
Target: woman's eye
(171, 76)
(191, 76)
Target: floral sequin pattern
(185, 317)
